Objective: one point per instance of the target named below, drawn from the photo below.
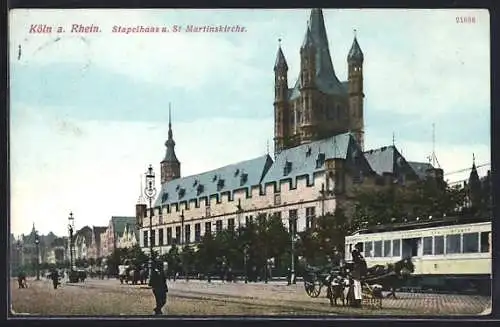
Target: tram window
(471, 242)
(377, 251)
(438, 245)
(427, 250)
(485, 242)
(387, 248)
(368, 249)
(453, 243)
(359, 247)
(396, 248)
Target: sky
(89, 111)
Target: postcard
(251, 162)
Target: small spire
(393, 139)
(280, 58)
(308, 39)
(355, 54)
(169, 121)
(170, 143)
(267, 147)
(473, 160)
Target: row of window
(186, 238)
(431, 245)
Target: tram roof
(439, 222)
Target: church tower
(170, 166)
(355, 60)
(281, 109)
(307, 88)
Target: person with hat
(160, 288)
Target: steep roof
(326, 79)
(306, 159)
(119, 223)
(170, 143)
(280, 60)
(355, 54)
(86, 233)
(388, 159)
(240, 175)
(420, 168)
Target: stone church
(318, 164)
(319, 105)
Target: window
(396, 248)
(153, 238)
(453, 244)
(247, 220)
(160, 236)
(277, 199)
(427, 250)
(292, 225)
(187, 234)
(207, 211)
(218, 226)
(438, 245)
(377, 249)
(310, 215)
(177, 234)
(208, 228)
(485, 242)
(387, 248)
(368, 249)
(197, 232)
(169, 235)
(145, 238)
(471, 242)
(230, 224)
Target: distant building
(114, 231)
(82, 242)
(96, 244)
(129, 237)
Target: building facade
(319, 162)
(95, 248)
(128, 237)
(114, 231)
(82, 242)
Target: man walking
(55, 278)
(158, 282)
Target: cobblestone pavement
(279, 292)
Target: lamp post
(150, 192)
(37, 244)
(71, 226)
(292, 221)
(245, 259)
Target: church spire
(170, 143)
(170, 166)
(355, 54)
(141, 199)
(280, 59)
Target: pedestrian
(55, 278)
(160, 288)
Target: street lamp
(292, 221)
(37, 244)
(245, 258)
(71, 226)
(150, 192)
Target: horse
(339, 289)
(122, 273)
(390, 276)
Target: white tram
(446, 255)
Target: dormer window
(164, 197)
(177, 187)
(195, 182)
(236, 172)
(308, 152)
(199, 189)
(320, 160)
(288, 168)
(243, 179)
(214, 178)
(220, 184)
(182, 192)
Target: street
(109, 297)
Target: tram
(449, 254)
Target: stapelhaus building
(318, 165)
